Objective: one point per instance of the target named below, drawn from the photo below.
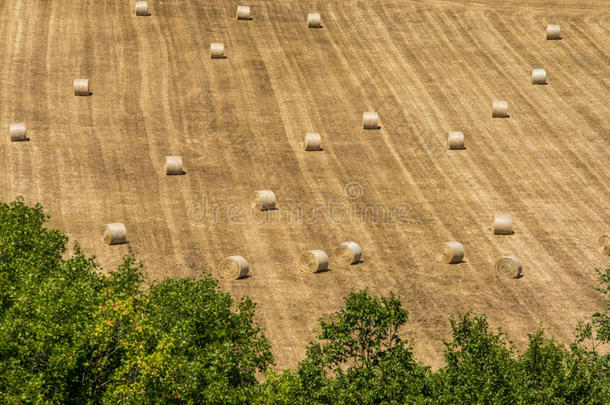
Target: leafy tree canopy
(70, 333)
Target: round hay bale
(455, 140)
(499, 109)
(313, 142)
(234, 267)
(142, 8)
(538, 76)
(553, 31)
(509, 266)
(347, 253)
(265, 199)
(604, 244)
(115, 234)
(314, 20)
(217, 50)
(370, 120)
(243, 13)
(81, 87)
(18, 132)
(503, 224)
(313, 261)
(451, 252)
(173, 165)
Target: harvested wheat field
(426, 67)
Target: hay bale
(370, 120)
(509, 266)
(314, 20)
(313, 142)
(503, 224)
(499, 109)
(217, 50)
(347, 253)
(115, 234)
(451, 252)
(243, 13)
(538, 76)
(173, 165)
(553, 32)
(81, 87)
(265, 199)
(313, 261)
(604, 244)
(234, 267)
(18, 132)
(142, 8)
(455, 140)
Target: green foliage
(364, 332)
(27, 250)
(191, 347)
(283, 388)
(71, 334)
(550, 373)
(359, 358)
(480, 364)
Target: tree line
(70, 333)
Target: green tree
(283, 388)
(480, 368)
(359, 358)
(70, 334)
(47, 305)
(191, 347)
(551, 373)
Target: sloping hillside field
(426, 67)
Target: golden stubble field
(427, 67)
